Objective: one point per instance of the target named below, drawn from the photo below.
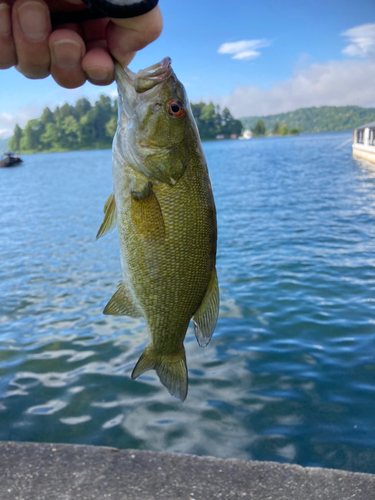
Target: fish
(163, 207)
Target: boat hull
(364, 153)
(10, 162)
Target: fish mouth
(145, 79)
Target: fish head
(156, 130)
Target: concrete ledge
(32, 471)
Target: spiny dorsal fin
(146, 214)
(121, 303)
(171, 369)
(109, 222)
(205, 318)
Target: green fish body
(164, 210)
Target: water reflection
(289, 374)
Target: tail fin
(171, 369)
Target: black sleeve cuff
(98, 9)
(121, 8)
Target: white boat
(246, 134)
(364, 141)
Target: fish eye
(175, 109)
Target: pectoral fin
(205, 318)
(109, 222)
(121, 303)
(146, 214)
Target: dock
(36, 471)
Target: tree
(82, 107)
(88, 126)
(30, 140)
(209, 126)
(276, 129)
(66, 110)
(50, 139)
(259, 129)
(229, 125)
(15, 142)
(295, 131)
(110, 127)
(71, 131)
(47, 116)
(284, 130)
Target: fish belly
(168, 250)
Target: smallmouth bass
(165, 214)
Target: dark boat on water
(10, 159)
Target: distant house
(233, 136)
(220, 136)
(364, 141)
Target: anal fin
(205, 318)
(121, 303)
(109, 221)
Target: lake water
(290, 373)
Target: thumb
(126, 36)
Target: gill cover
(152, 133)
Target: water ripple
(289, 375)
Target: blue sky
(294, 54)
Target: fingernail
(5, 27)
(33, 18)
(68, 54)
(98, 74)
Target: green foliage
(295, 131)
(323, 119)
(87, 126)
(83, 126)
(276, 129)
(15, 142)
(260, 129)
(211, 122)
(283, 130)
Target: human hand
(72, 53)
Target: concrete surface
(32, 471)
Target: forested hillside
(87, 126)
(323, 119)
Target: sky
(255, 57)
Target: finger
(8, 56)
(31, 29)
(67, 51)
(97, 63)
(126, 36)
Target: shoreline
(101, 148)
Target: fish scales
(166, 219)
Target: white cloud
(361, 41)
(336, 83)
(21, 116)
(244, 49)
